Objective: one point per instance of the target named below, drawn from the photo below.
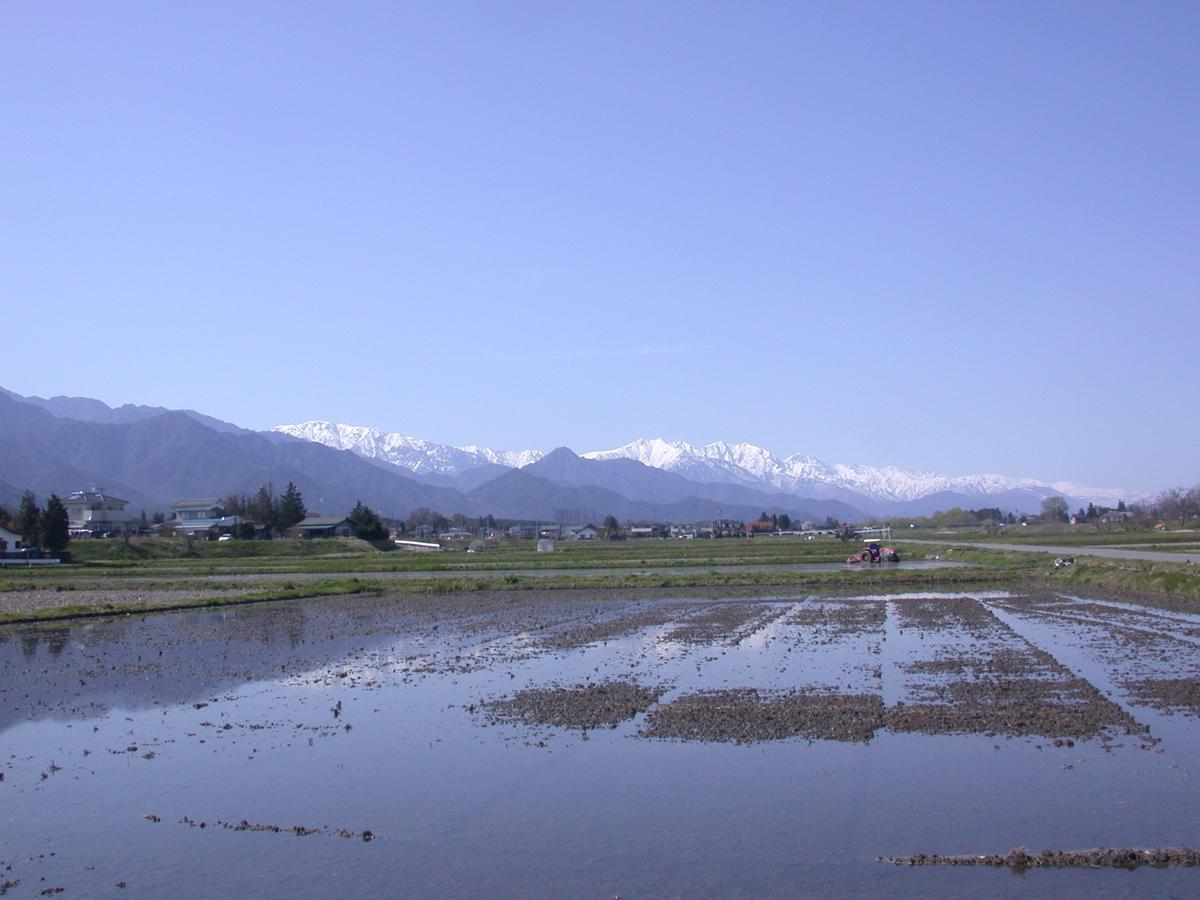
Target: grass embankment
(1174, 586)
(116, 608)
(172, 558)
(144, 567)
(1057, 536)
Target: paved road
(1109, 552)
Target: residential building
(324, 527)
(646, 531)
(202, 518)
(93, 513)
(10, 543)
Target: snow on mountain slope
(749, 464)
(741, 463)
(419, 456)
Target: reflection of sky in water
(464, 808)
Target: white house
(202, 517)
(93, 512)
(9, 542)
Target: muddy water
(982, 722)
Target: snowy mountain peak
(717, 462)
(653, 452)
(419, 456)
(806, 475)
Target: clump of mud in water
(944, 614)
(1019, 690)
(604, 704)
(748, 716)
(830, 621)
(1020, 860)
(724, 621)
(594, 632)
(1016, 706)
(1169, 694)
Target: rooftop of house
(322, 522)
(93, 495)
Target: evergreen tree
(264, 508)
(366, 523)
(55, 527)
(29, 520)
(291, 509)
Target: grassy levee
(168, 557)
(123, 578)
(1057, 535)
(284, 592)
(1166, 585)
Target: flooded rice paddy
(565, 743)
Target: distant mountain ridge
(156, 460)
(152, 457)
(881, 490)
(85, 409)
(800, 472)
(417, 455)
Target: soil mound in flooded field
(1020, 860)
(748, 716)
(1169, 694)
(582, 706)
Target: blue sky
(957, 236)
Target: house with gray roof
(323, 527)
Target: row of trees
(264, 507)
(955, 517)
(47, 528)
(1175, 505)
(778, 521)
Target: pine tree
(29, 520)
(264, 508)
(291, 508)
(366, 523)
(55, 527)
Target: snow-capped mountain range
(419, 456)
(742, 463)
(800, 473)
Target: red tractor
(874, 555)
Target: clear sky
(957, 236)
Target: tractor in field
(873, 554)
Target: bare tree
(1055, 509)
